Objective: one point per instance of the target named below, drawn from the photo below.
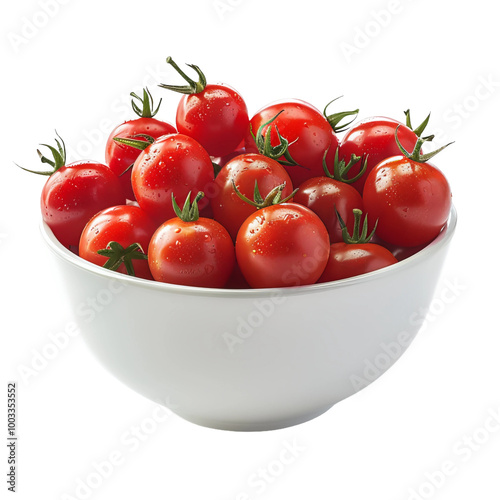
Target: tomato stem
(272, 198)
(190, 211)
(58, 155)
(265, 148)
(136, 143)
(146, 111)
(340, 169)
(119, 255)
(415, 155)
(357, 235)
(335, 118)
(192, 87)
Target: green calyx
(190, 211)
(340, 169)
(360, 233)
(145, 109)
(117, 255)
(58, 158)
(265, 148)
(416, 155)
(140, 144)
(274, 197)
(335, 118)
(192, 87)
(420, 129)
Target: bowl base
(255, 426)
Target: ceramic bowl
(251, 360)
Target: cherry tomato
(300, 122)
(124, 225)
(245, 170)
(121, 157)
(215, 115)
(347, 260)
(191, 250)
(355, 254)
(373, 139)
(282, 245)
(410, 198)
(174, 164)
(74, 193)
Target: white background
(72, 70)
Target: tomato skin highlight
(352, 259)
(74, 194)
(322, 195)
(299, 120)
(177, 164)
(411, 200)
(374, 137)
(199, 253)
(216, 117)
(125, 224)
(228, 208)
(282, 245)
(120, 156)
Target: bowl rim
(441, 240)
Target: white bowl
(251, 360)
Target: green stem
(117, 255)
(190, 211)
(192, 87)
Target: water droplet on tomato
(209, 268)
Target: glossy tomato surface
(199, 253)
(216, 117)
(323, 195)
(352, 259)
(74, 194)
(245, 170)
(411, 201)
(119, 157)
(374, 139)
(124, 224)
(174, 164)
(282, 245)
(300, 122)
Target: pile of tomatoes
(224, 200)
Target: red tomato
(373, 138)
(245, 170)
(410, 198)
(125, 225)
(282, 245)
(300, 122)
(194, 252)
(121, 157)
(174, 164)
(74, 193)
(215, 115)
(348, 259)
(322, 195)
